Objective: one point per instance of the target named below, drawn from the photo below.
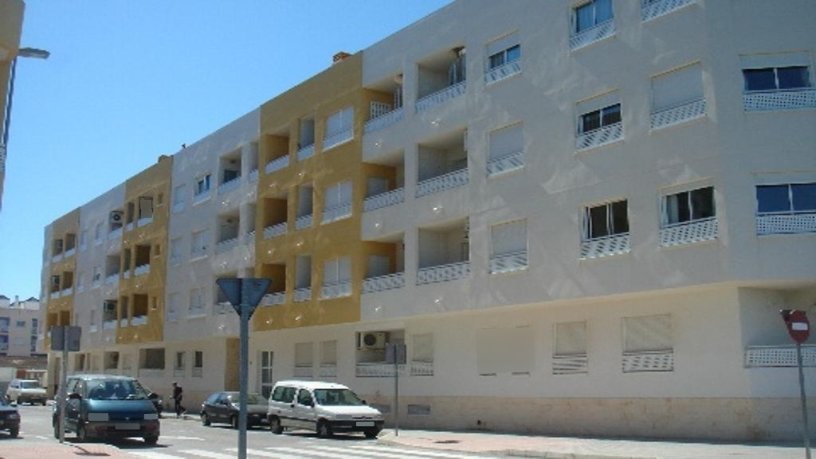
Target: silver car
(25, 390)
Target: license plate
(365, 424)
(127, 426)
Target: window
(20, 323)
(304, 359)
(677, 87)
(179, 362)
(647, 343)
(200, 241)
(198, 363)
(506, 149)
(337, 271)
(304, 397)
(197, 299)
(597, 119)
(173, 301)
(776, 78)
(506, 56)
(606, 220)
(176, 250)
(267, 382)
(337, 202)
(591, 14)
(98, 232)
(202, 185)
(83, 239)
(508, 246)
(179, 193)
(570, 355)
(688, 206)
(422, 354)
(339, 127)
(786, 199)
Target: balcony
(123, 323)
(141, 270)
(651, 9)
(592, 34)
(57, 258)
(679, 114)
(201, 197)
(387, 199)
(69, 253)
(178, 207)
(271, 299)
(138, 320)
(600, 136)
(126, 274)
(93, 328)
(304, 221)
(115, 234)
(277, 164)
(275, 230)
(384, 120)
(305, 152)
(383, 283)
(302, 294)
(231, 185)
(112, 279)
(506, 163)
(792, 99)
(442, 182)
(441, 96)
(303, 372)
(338, 139)
(67, 292)
(327, 370)
(508, 262)
(340, 289)
(779, 356)
(249, 238)
(570, 364)
(647, 361)
(504, 71)
(605, 246)
(55, 295)
(130, 226)
(336, 213)
(689, 232)
(109, 325)
(791, 223)
(144, 221)
(226, 245)
(443, 273)
(253, 175)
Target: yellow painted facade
(61, 282)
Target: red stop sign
(797, 323)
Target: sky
(128, 81)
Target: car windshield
(336, 397)
(117, 389)
(30, 385)
(252, 399)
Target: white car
(26, 390)
(323, 407)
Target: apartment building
(11, 27)
(19, 327)
(581, 218)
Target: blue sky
(128, 81)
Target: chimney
(342, 55)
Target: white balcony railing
(303, 371)
(651, 9)
(130, 226)
(786, 223)
(600, 136)
(232, 184)
(508, 262)
(377, 369)
(138, 320)
(384, 120)
(505, 163)
(336, 213)
(253, 175)
(645, 361)
(123, 322)
(382, 283)
(115, 234)
(226, 245)
(337, 290)
(93, 328)
(66, 292)
(337, 139)
(302, 294)
(443, 273)
(304, 221)
(779, 356)
(277, 164)
(109, 325)
(305, 152)
(442, 182)
(271, 299)
(689, 232)
(569, 364)
(223, 307)
(605, 246)
(249, 237)
(69, 253)
(504, 71)
(789, 99)
(678, 114)
(441, 96)
(141, 270)
(96, 283)
(144, 221)
(275, 230)
(386, 199)
(112, 279)
(178, 207)
(201, 197)
(421, 368)
(593, 34)
(56, 258)
(126, 274)
(327, 370)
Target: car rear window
(30, 385)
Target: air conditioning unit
(117, 216)
(372, 340)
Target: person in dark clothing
(177, 396)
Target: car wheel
(275, 425)
(371, 433)
(234, 422)
(81, 433)
(151, 439)
(43, 402)
(14, 432)
(205, 420)
(323, 429)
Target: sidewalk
(585, 448)
(20, 449)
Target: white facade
(20, 327)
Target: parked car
(222, 407)
(25, 390)
(9, 418)
(108, 407)
(323, 407)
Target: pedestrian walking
(178, 393)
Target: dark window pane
(620, 217)
(513, 53)
(759, 79)
(804, 197)
(598, 222)
(496, 60)
(793, 77)
(584, 17)
(591, 121)
(702, 203)
(611, 115)
(773, 198)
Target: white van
(323, 407)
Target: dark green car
(108, 407)
(9, 418)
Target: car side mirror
(74, 396)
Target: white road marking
(257, 452)
(153, 455)
(210, 454)
(170, 437)
(365, 453)
(420, 452)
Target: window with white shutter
(339, 127)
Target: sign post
(799, 330)
(64, 338)
(395, 353)
(244, 295)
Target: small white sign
(799, 326)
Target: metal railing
(653, 9)
(226, 245)
(305, 152)
(443, 273)
(277, 164)
(678, 114)
(441, 96)
(231, 185)
(383, 121)
(389, 198)
(383, 283)
(787, 99)
(591, 35)
(302, 294)
(141, 270)
(605, 246)
(144, 221)
(337, 139)
(508, 262)
(336, 213)
(779, 356)
(505, 163)
(304, 221)
(337, 290)
(600, 136)
(689, 232)
(442, 182)
(503, 71)
(788, 223)
(275, 230)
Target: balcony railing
(109, 325)
(645, 361)
(443, 273)
(201, 197)
(69, 253)
(304, 221)
(505, 163)
(786, 223)
(277, 164)
(385, 120)
(377, 369)
(421, 368)
(337, 139)
(593, 34)
(271, 299)
(232, 184)
(178, 207)
(504, 71)
(144, 221)
(605, 246)
(226, 245)
(327, 370)
(56, 258)
(337, 290)
(302, 294)
(386, 199)
(93, 328)
(383, 283)
(67, 291)
(275, 230)
(112, 279)
(126, 274)
(249, 237)
(790, 99)
(305, 152)
(138, 320)
(123, 322)
(441, 96)
(129, 226)
(303, 371)
(779, 356)
(337, 213)
(689, 232)
(442, 182)
(569, 364)
(679, 114)
(141, 270)
(253, 175)
(115, 234)
(508, 262)
(651, 9)
(600, 136)
(55, 295)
